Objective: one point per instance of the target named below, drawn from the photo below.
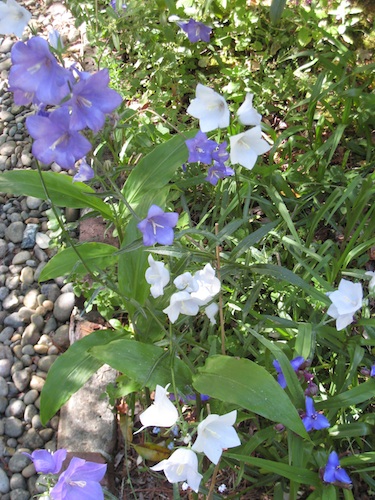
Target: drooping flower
(210, 108)
(247, 115)
(85, 172)
(13, 18)
(186, 282)
(162, 413)
(211, 311)
(372, 371)
(36, 71)
(47, 462)
(345, 302)
(157, 227)
(216, 433)
(55, 40)
(55, 141)
(91, 100)
(218, 171)
(312, 419)
(333, 472)
(80, 480)
(182, 465)
(220, 153)
(157, 275)
(208, 285)
(247, 146)
(296, 364)
(181, 303)
(200, 148)
(196, 30)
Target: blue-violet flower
(157, 227)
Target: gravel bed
(33, 318)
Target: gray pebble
(3, 248)
(31, 335)
(38, 321)
(27, 275)
(18, 462)
(13, 427)
(16, 408)
(11, 301)
(21, 257)
(29, 471)
(61, 336)
(31, 299)
(37, 383)
(46, 362)
(5, 366)
(17, 481)
(30, 397)
(33, 203)
(25, 313)
(46, 434)
(19, 494)
(4, 481)
(50, 325)
(64, 306)
(42, 240)
(4, 292)
(3, 406)
(32, 440)
(14, 232)
(13, 320)
(29, 236)
(4, 389)
(30, 412)
(21, 379)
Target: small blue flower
(196, 31)
(200, 148)
(218, 171)
(157, 227)
(372, 372)
(85, 172)
(296, 363)
(313, 420)
(333, 472)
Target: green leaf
(147, 364)
(297, 474)
(70, 371)
(248, 385)
(357, 395)
(276, 11)
(61, 189)
(95, 255)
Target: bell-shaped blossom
(218, 171)
(215, 434)
(371, 285)
(345, 302)
(333, 473)
(220, 153)
(13, 18)
(247, 115)
(113, 4)
(47, 462)
(181, 303)
(162, 413)
(211, 311)
(372, 371)
(182, 465)
(85, 172)
(55, 141)
(157, 227)
(196, 30)
(210, 108)
(247, 146)
(312, 419)
(296, 364)
(157, 275)
(91, 100)
(35, 70)
(208, 285)
(55, 40)
(80, 480)
(186, 282)
(200, 148)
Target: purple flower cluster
(300, 366)
(204, 150)
(80, 480)
(83, 101)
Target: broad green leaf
(71, 370)
(248, 385)
(297, 474)
(276, 11)
(95, 255)
(145, 363)
(357, 395)
(253, 238)
(61, 190)
(354, 429)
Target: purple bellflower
(54, 141)
(333, 473)
(80, 480)
(372, 372)
(47, 462)
(218, 171)
(91, 100)
(113, 4)
(220, 154)
(201, 148)
(196, 31)
(85, 172)
(296, 364)
(157, 227)
(36, 71)
(312, 419)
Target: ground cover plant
(236, 166)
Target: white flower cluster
(212, 112)
(194, 291)
(215, 433)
